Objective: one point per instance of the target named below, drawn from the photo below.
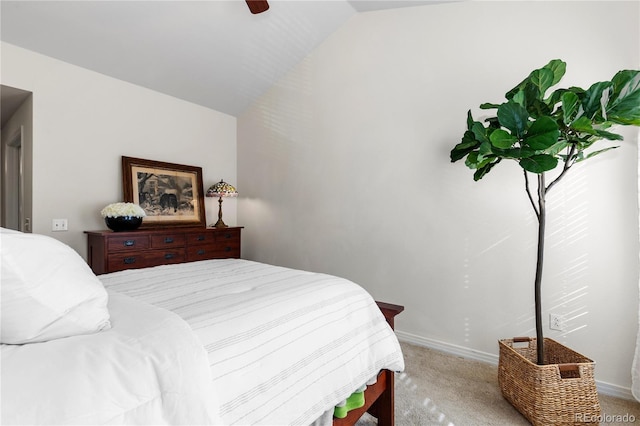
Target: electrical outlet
(59, 225)
(556, 322)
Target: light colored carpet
(442, 389)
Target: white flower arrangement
(122, 209)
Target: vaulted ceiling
(212, 53)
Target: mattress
(283, 345)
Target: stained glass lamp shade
(221, 189)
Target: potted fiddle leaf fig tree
(548, 132)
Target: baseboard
(468, 353)
(448, 348)
(614, 390)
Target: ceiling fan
(257, 6)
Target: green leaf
(542, 134)
(570, 106)
(488, 105)
(476, 161)
(482, 171)
(470, 120)
(539, 163)
(556, 148)
(530, 96)
(624, 102)
(555, 97)
(558, 67)
(593, 154)
(493, 122)
(584, 125)
(479, 131)
(468, 144)
(515, 153)
(542, 79)
(520, 87)
(484, 150)
(538, 108)
(520, 98)
(472, 160)
(607, 135)
(592, 99)
(502, 139)
(514, 117)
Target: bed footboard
(379, 397)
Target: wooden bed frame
(379, 397)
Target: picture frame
(170, 194)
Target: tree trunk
(540, 257)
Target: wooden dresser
(110, 251)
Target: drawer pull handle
(169, 256)
(168, 240)
(129, 243)
(129, 260)
(227, 249)
(227, 236)
(200, 238)
(200, 252)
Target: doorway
(16, 158)
(13, 178)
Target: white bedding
(283, 345)
(149, 368)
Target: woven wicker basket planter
(561, 392)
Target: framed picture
(170, 194)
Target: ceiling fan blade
(257, 6)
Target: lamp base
(220, 224)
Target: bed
(222, 341)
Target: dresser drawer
(204, 237)
(213, 252)
(120, 261)
(127, 243)
(163, 257)
(228, 235)
(167, 240)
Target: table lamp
(221, 189)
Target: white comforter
(283, 345)
(148, 368)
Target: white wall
(344, 168)
(83, 122)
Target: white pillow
(48, 291)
